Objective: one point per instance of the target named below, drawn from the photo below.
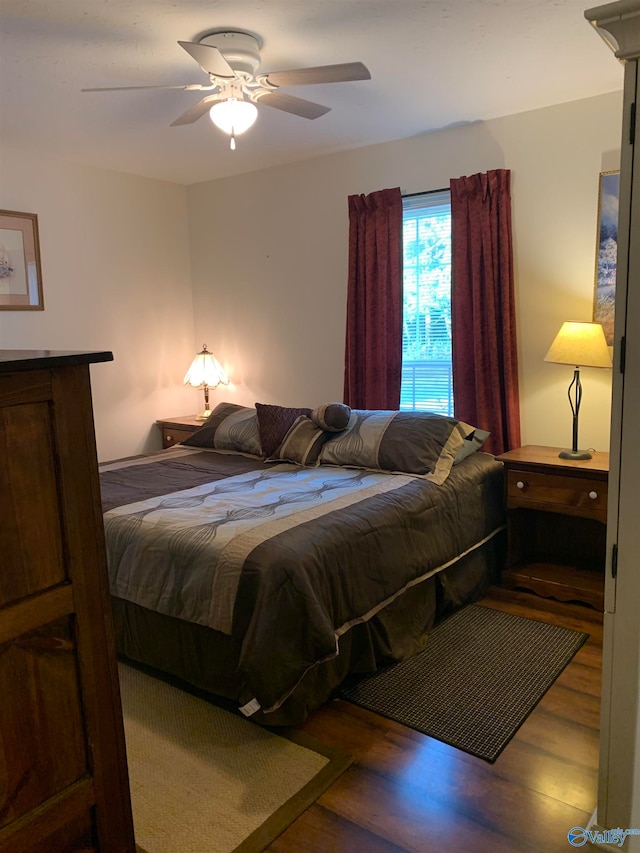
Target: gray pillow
(302, 443)
(419, 443)
(229, 427)
(471, 443)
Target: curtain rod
(425, 192)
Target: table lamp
(583, 345)
(205, 372)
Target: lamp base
(202, 416)
(574, 454)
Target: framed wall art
(604, 296)
(20, 272)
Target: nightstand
(556, 518)
(175, 430)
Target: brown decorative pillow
(274, 422)
(229, 427)
(420, 443)
(332, 417)
(302, 443)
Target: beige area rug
(207, 781)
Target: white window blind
(426, 340)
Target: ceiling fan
(231, 58)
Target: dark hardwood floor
(409, 792)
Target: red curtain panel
(373, 353)
(483, 317)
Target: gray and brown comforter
(284, 559)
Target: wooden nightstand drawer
(581, 496)
(172, 436)
(175, 430)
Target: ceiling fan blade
(190, 86)
(322, 74)
(297, 106)
(196, 111)
(209, 59)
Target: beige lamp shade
(580, 344)
(205, 369)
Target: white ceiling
(433, 63)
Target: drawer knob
(593, 495)
(520, 484)
(169, 438)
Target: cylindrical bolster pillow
(332, 417)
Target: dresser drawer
(582, 496)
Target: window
(427, 382)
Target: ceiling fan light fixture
(233, 116)
(231, 59)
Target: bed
(280, 550)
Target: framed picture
(604, 298)
(20, 273)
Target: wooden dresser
(63, 773)
(557, 517)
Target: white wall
(269, 256)
(116, 276)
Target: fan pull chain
(232, 144)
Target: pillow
(471, 443)
(420, 443)
(229, 427)
(332, 417)
(302, 443)
(274, 422)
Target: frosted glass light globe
(233, 116)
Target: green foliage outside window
(427, 283)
